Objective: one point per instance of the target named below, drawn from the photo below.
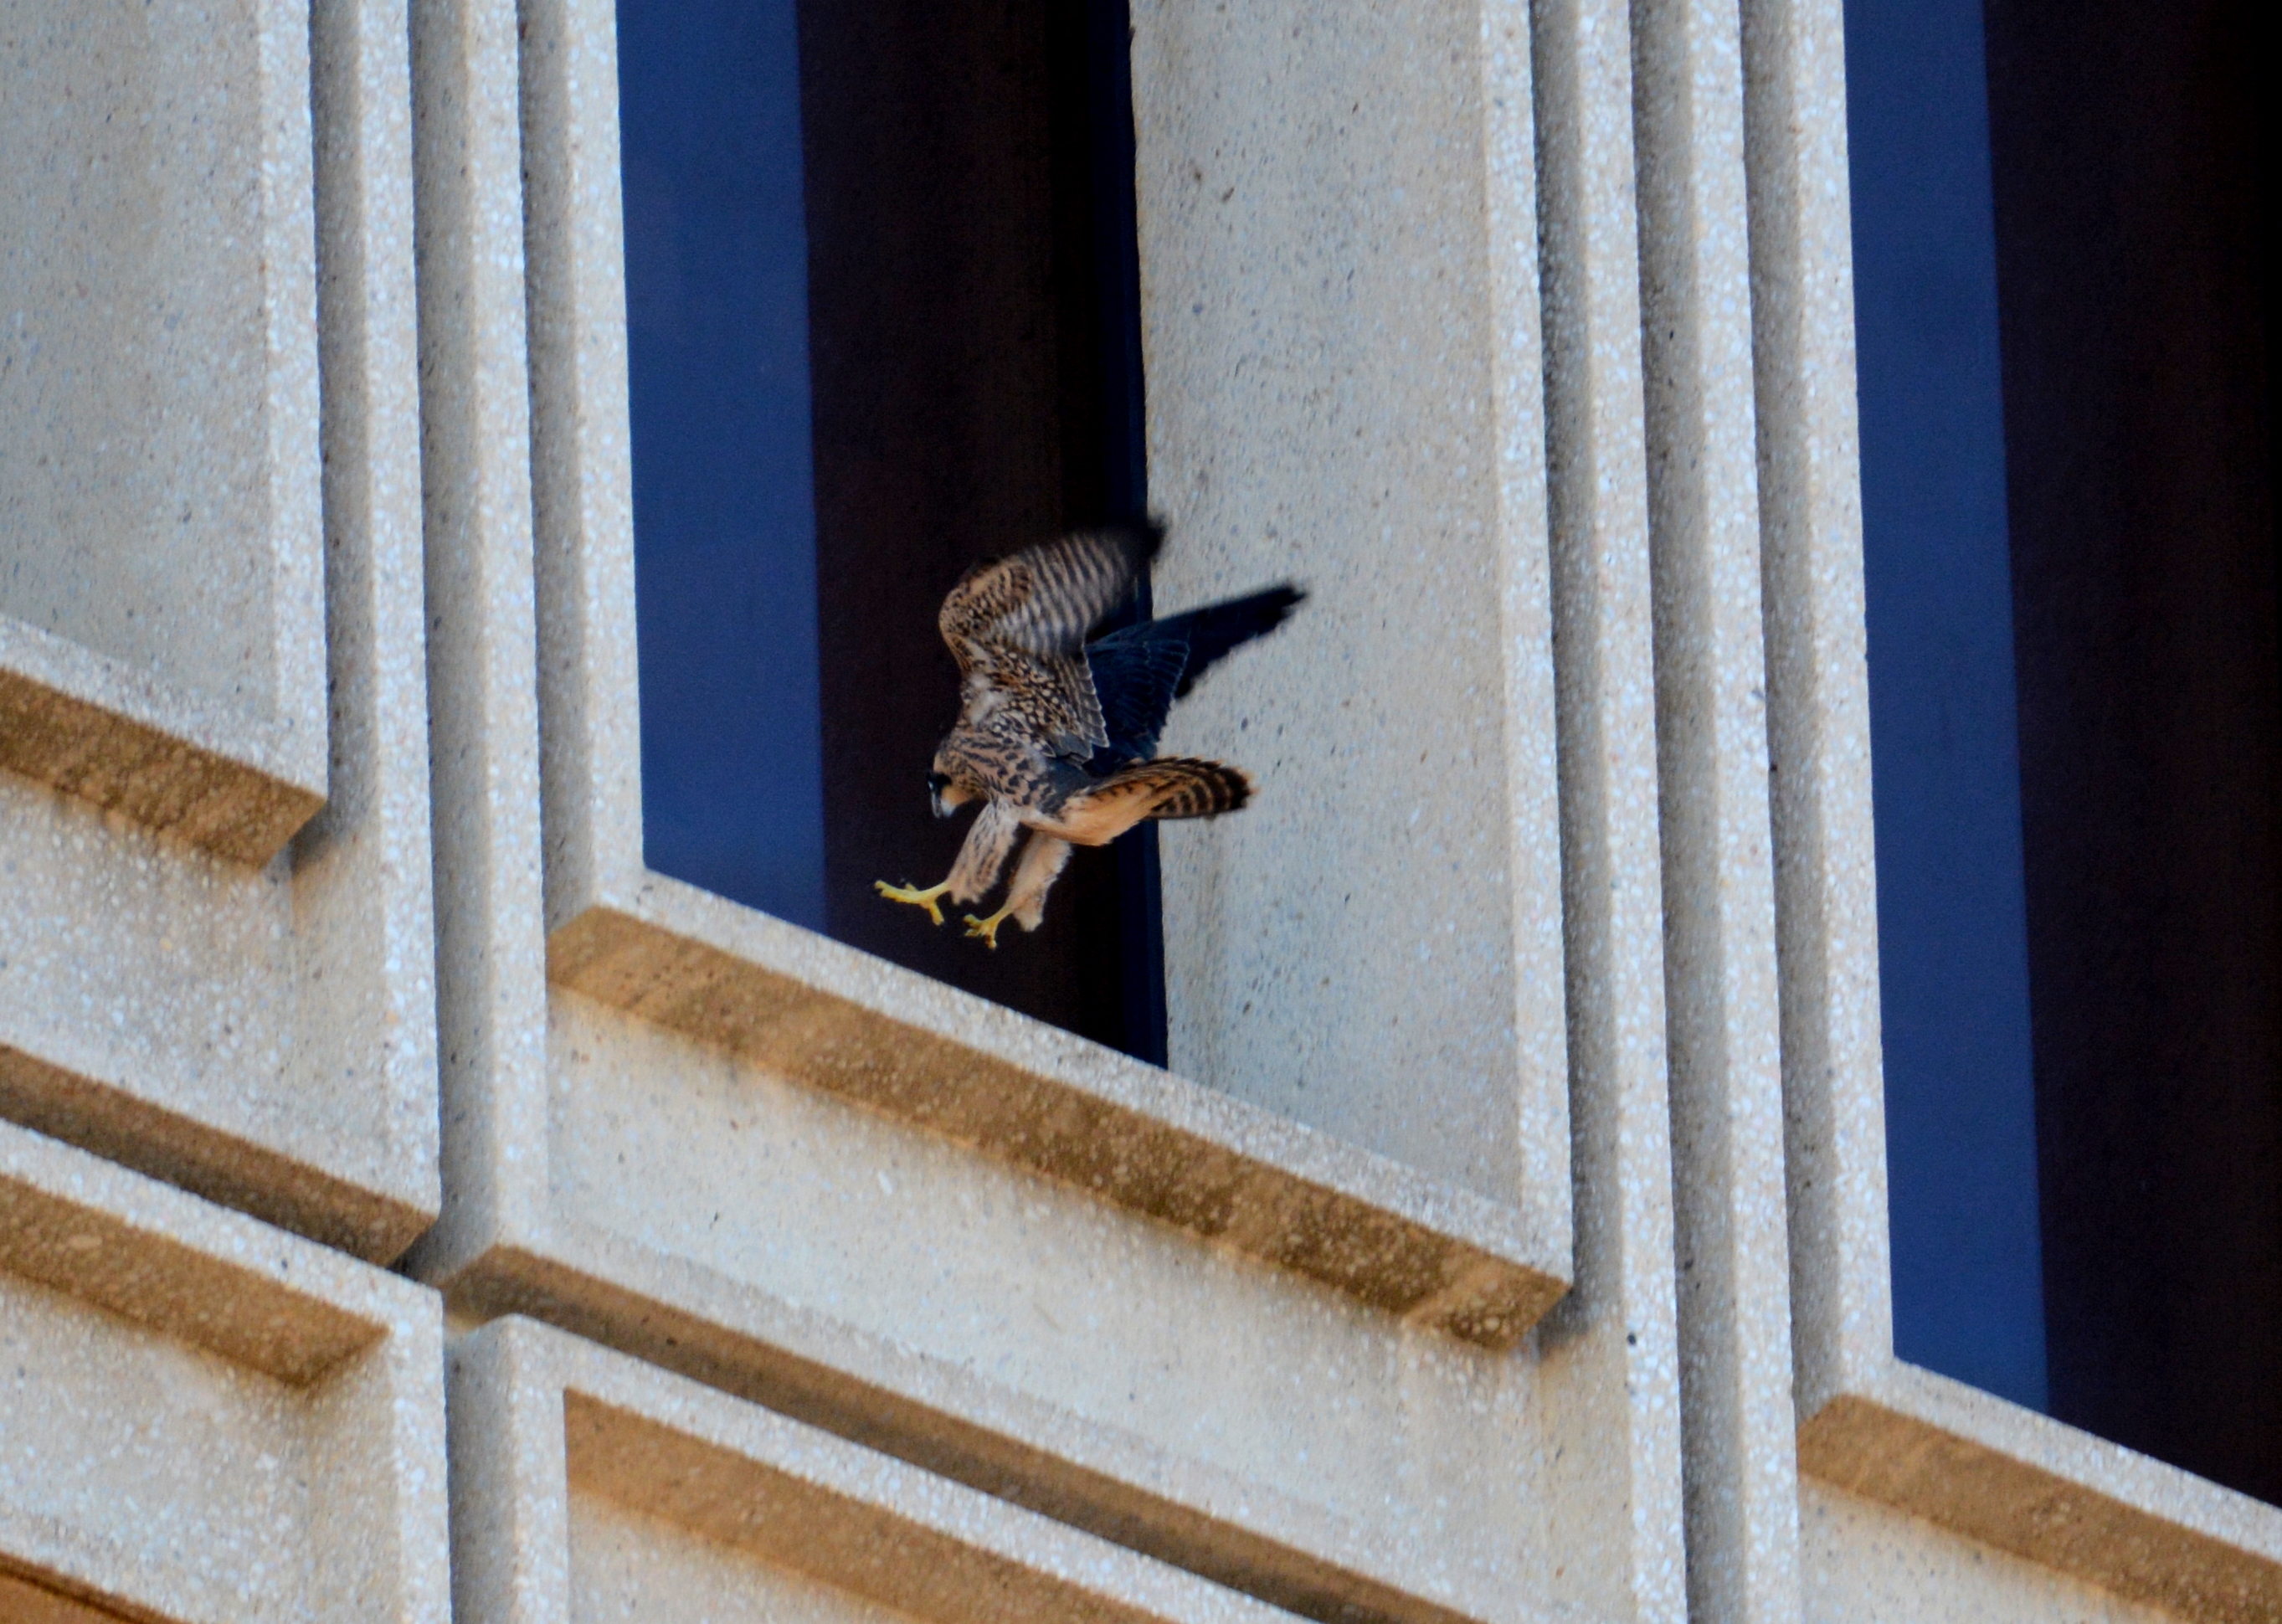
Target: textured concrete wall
(1868, 1422)
(1507, 1241)
(640, 1494)
(161, 623)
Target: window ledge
(1261, 1185)
(2003, 1474)
(234, 784)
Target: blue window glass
(724, 513)
(1952, 934)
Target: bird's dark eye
(937, 782)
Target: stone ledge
(236, 785)
(1140, 1138)
(230, 1421)
(362, 1218)
(541, 1418)
(1974, 1463)
(948, 1419)
(27, 1604)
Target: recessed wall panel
(214, 730)
(640, 1494)
(143, 507)
(1258, 1344)
(1335, 370)
(161, 596)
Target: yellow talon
(914, 896)
(986, 928)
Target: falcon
(1057, 735)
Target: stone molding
(1245, 1179)
(861, 1292)
(1424, 1247)
(639, 1149)
(117, 737)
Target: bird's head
(950, 786)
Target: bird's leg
(1025, 899)
(912, 894)
(989, 840)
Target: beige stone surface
(626, 1563)
(475, 407)
(748, 1155)
(1010, 1331)
(1818, 703)
(1614, 1342)
(1249, 1180)
(24, 1603)
(161, 595)
(107, 732)
(587, 1484)
(263, 1033)
(207, 1420)
(1522, 334)
(2027, 1485)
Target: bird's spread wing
(1139, 670)
(1134, 675)
(1045, 599)
(1017, 627)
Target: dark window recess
(2129, 172)
(2126, 156)
(883, 304)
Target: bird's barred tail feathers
(1171, 787)
(1184, 787)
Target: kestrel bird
(1057, 735)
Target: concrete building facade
(414, 1207)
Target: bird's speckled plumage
(1057, 735)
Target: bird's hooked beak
(938, 788)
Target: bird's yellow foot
(986, 928)
(917, 897)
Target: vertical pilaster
(482, 640)
(1718, 893)
(1613, 909)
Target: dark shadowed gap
(961, 350)
(1952, 934)
(1117, 282)
(884, 321)
(2125, 140)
